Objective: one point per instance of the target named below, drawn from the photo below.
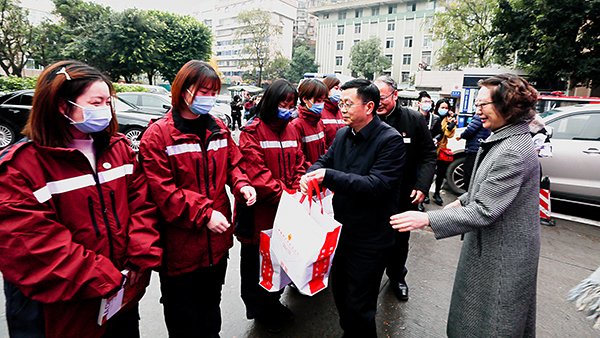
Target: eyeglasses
(481, 104)
(383, 98)
(343, 105)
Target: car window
(151, 101)
(27, 99)
(14, 101)
(577, 127)
(129, 97)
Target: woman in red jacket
(312, 94)
(188, 157)
(273, 161)
(75, 212)
(331, 115)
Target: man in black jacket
(363, 167)
(417, 173)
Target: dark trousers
(440, 174)
(192, 301)
(258, 301)
(468, 168)
(355, 279)
(236, 118)
(396, 263)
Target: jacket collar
(368, 130)
(505, 132)
(185, 132)
(309, 116)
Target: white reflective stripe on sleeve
(332, 121)
(183, 148)
(115, 173)
(62, 186)
(315, 137)
(276, 144)
(217, 144)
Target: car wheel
(455, 176)
(7, 136)
(132, 135)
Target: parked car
(148, 101)
(15, 108)
(573, 169)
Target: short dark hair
(310, 89)
(194, 74)
(62, 82)
(365, 90)
(278, 91)
(439, 103)
(514, 98)
(423, 94)
(331, 81)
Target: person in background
(188, 157)
(248, 107)
(442, 109)
(472, 134)
(312, 94)
(494, 292)
(434, 123)
(332, 115)
(273, 161)
(417, 173)
(75, 212)
(364, 168)
(236, 112)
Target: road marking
(576, 219)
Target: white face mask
(202, 104)
(95, 119)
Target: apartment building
(221, 15)
(401, 25)
(306, 24)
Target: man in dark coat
(236, 112)
(363, 166)
(417, 172)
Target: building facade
(306, 24)
(402, 26)
(221, 15)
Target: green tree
(303, 61)
(257, 32)
(465, 27)
(367, 59)
(16, 33)
(277, 68)
(552, 40)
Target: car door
(573, 169)
(16, 111)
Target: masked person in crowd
(363, 167)
(417, 173)
(75, 212)
(312, 94)
(188, 157)
(434, 123)
(494, 292)
(332, 115)
(273, 161)
(472, 134)
(442, 109)
(236, 112)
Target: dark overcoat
(494, 291)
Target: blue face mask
(202, 104)
(442, 112)
(284, 114)
(426, 107)
(336, 95)
(317, 108)
(95, 119)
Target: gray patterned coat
(494, 291)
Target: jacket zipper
(94, 224)
(114, 208)
(214, 176)
(207, 186)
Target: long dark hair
(278, 91)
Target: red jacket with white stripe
(187, 178)
(312, 135)
(332, 120)
(66, 232)
(273, 161)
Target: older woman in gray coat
(494, 291)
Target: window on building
(326, 16)
(411, 7)
(406, 59)
(341, 15)
(356, 41)
(427, 41)
(357, 27)
(393, 9)
(426, 57)
(408, 41)
(390, 56)
(341, 29)
(340, 45)
(405, 77)
(208, 22)
(430, 5)
(338, 60)
(391, 26)
(389, 43)
(358, 13)
(375, 11)
(388, 73)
